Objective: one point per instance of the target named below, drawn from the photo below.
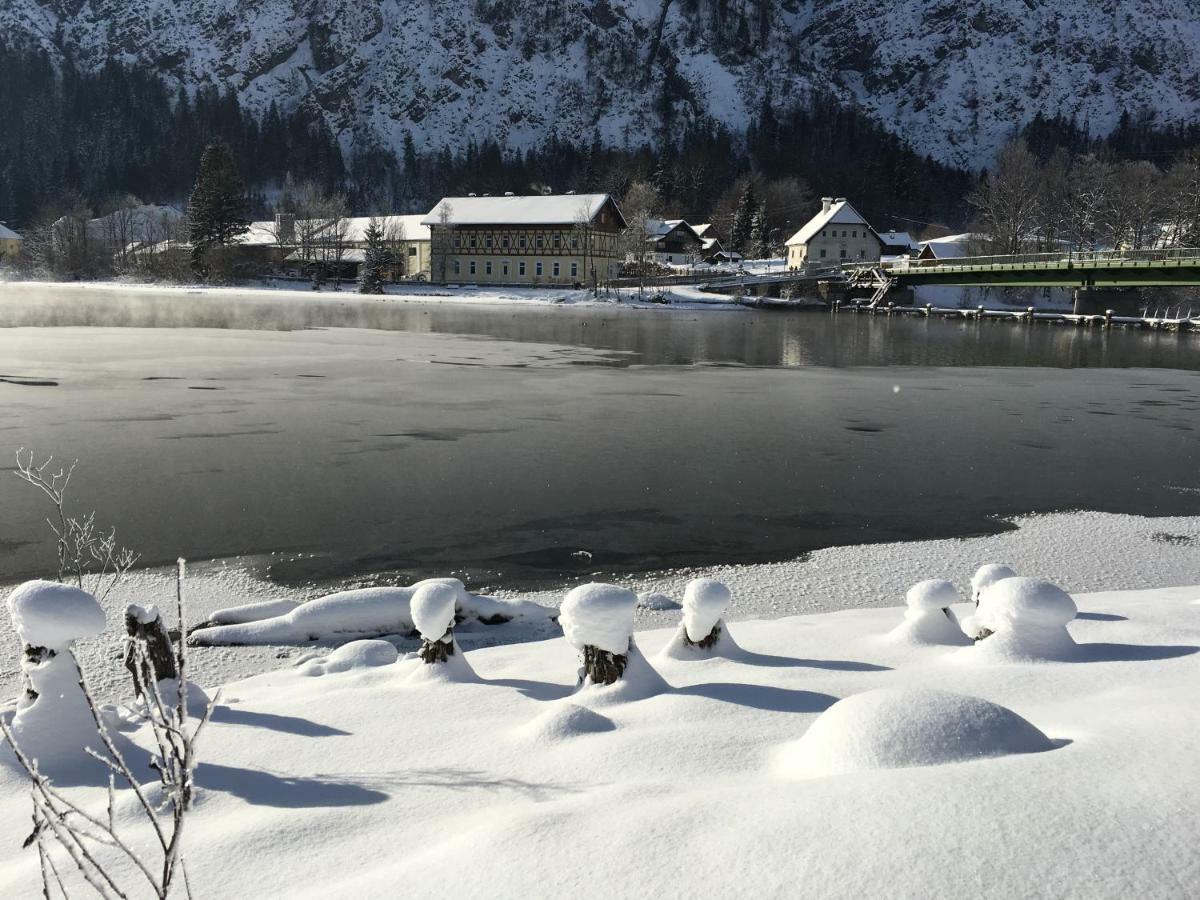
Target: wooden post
(705, 642)
(979, 313)
(928, 310)
(1029, 315)
(1108, 314)
(158, 656)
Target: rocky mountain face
(953, 77)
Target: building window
(504, 268)
(487, 267)
(854, 234)
(412, 251)
(472, 267)
(521, 242)
(504, 241)
(541, 241)
(556, 270)
(456, 267)
(472, 242)
(574, 243)
(843, 253)
(521, 268)
(557, 241)
(822, 233)
(458, 242)
(822, 253)
(487, 242)
(862, 254)
(538, 268)
(574, 270)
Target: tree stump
(438, 651)
(34, 656)
(601, 666)
(706, 642)
(156, 657)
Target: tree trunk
(438, 651)
(601, 666)
(707, 642)
(157, 658)
(33, 656)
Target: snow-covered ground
(1067, 779)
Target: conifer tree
(375, 260)
(743, 220)
(217, 206)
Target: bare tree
(641, 205)
(395, 240)
(1182, 187)
(1007, 199)
(443, 240)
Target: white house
(837, 234)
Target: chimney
(285, 228)
(826, 203)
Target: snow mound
(432, 608)
(658, 602)
(52, 615)
(894, 728)
(253, 612)
(986, 576)
(1028, 618)
(928, 618)
(598, 615)
(455, 670)
(365, 613)
(704, 602)
(565, 720)
(366, 654)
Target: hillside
(953, 79)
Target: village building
(339, 245)
(898, 245)
(562, 239)
(838, 234)
(710, 244)
(952, 246)
(10, 244)
(673, 242)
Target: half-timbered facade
(564, 239)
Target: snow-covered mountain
(954, 77)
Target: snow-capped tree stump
(601, 666)
(438, 651)
(597, 620)
(432, 609)
(148, 645)
(984, 577)
(31, 658)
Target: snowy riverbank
(351, 782)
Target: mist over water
(355, 436)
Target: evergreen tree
(743, 220)
(760, 240)
(217, 207)
(375, 260)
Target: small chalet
(562, 239)
(673, 242)
(953, 246)
(710, 246)
(897, 244)
(837, 234)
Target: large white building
(837, 234)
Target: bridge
(1088, 269)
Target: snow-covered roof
(840, 212)
(7, 234)
(414, 229)
(553, 209)
(897, 239)
(660, 228)
(952, 246)
(703, 230)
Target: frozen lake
(350, 437)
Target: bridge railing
(1054, 259)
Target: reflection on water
(654, 336)
(353, 436)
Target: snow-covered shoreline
(681, 297)
(346, 783)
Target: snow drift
(894, 728)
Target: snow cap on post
(986, 576)
(933, 594)
(432, 609)
(704, 603)
(52, 615)
(1025, 603)
(598, 615)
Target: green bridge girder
(1084, 271)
